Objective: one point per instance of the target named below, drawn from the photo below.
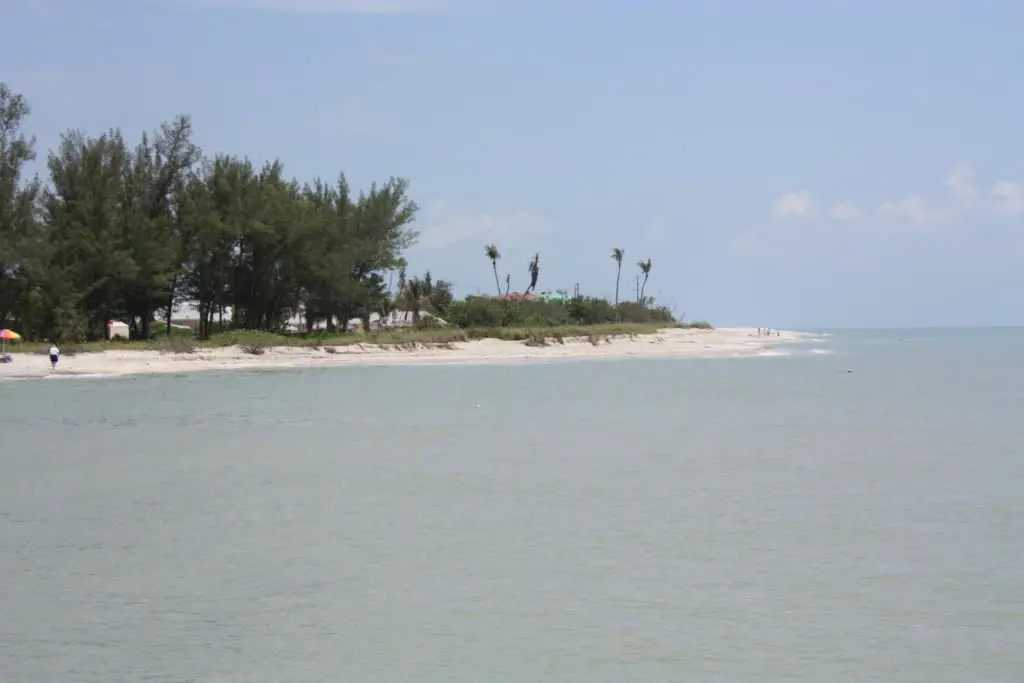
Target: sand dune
(670, 343)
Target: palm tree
(645, 268)
(617, 255)
(401, 264)
(414, 295)
(534, 273)
(493, 254)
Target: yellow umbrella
(5, 335)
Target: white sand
(672, 343)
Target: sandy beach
(669, 343)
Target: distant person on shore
(54, 356)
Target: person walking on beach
(54, 356)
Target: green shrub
(250, 338)
(632, 312)
(158, 330)
(591, 311)
(428, 322)
(481, 312)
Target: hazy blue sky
(783, 162)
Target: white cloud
(444, 226)
(797, 204)
(963, 199)
(960, 182)
(330, 6)
(1008, 198)
(1005, 200)
(915, 210)
(844, 211)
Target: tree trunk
(618, 275)
(497, 282)
(170, 313)
(170, 304)
(205, 310)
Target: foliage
(18, 209)
(617, 256)
(645, 270)
(176, 331)
(431, 336)
(484, 312)
(534, 270)
(131, 232)
(419, 294)
(438, 296)
(134, 231)
(247, 338)
(492, 253)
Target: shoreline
(741, 342)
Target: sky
(793, 163)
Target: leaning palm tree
(493, 254)
(645, 268)
(534, 273)
(414, 295)
(617, 255)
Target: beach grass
(257, 342)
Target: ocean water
(851, 510)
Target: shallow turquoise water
(768, 519)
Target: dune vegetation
(134, 232)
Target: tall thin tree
(493, 254)
(415, 295)
(18, 201)
(617, 255)
(645, 269)
(534, 273)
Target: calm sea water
(770, 519)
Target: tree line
(132, 231)
(494, 255)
